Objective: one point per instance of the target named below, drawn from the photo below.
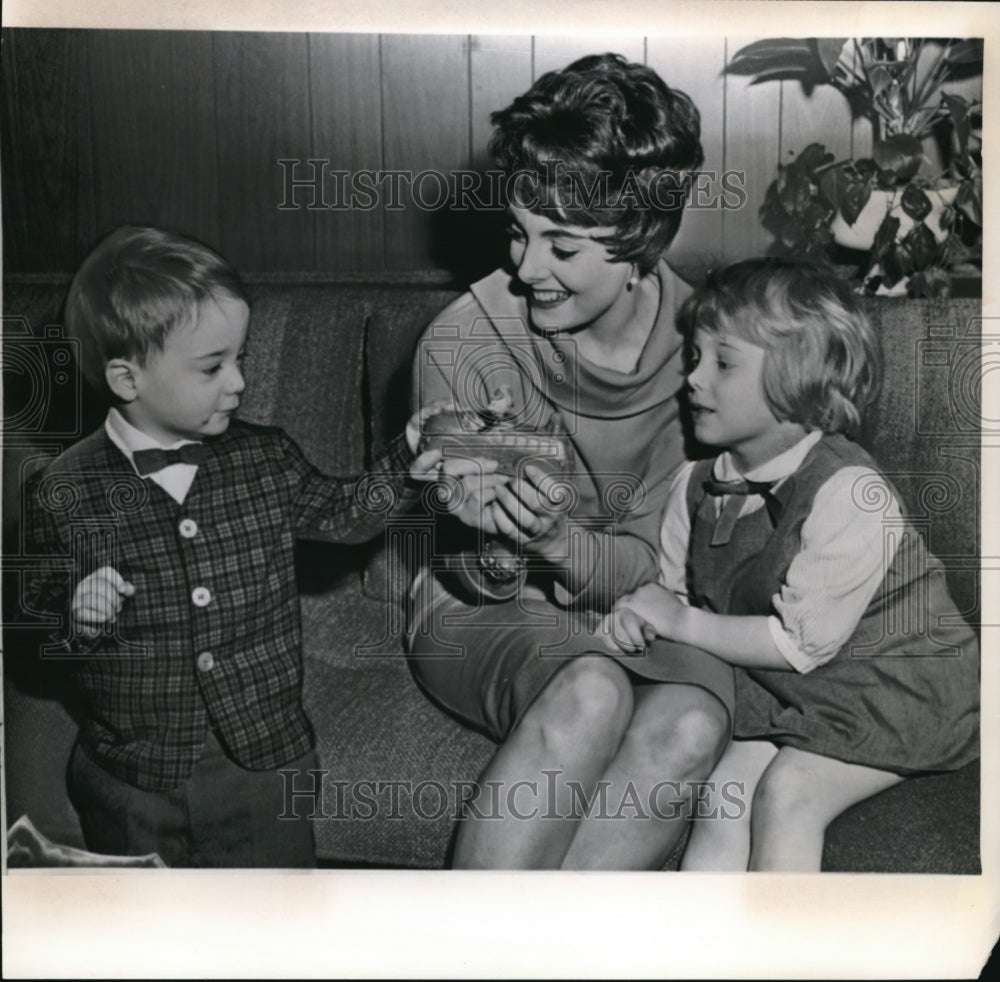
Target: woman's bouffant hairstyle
(603, 142)
(823, 366)
(134, 288)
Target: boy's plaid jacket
(212, 636)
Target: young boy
(179, 523)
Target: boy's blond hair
(134, 288)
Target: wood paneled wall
(185, 129)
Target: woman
(502, 634)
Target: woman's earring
(632, 280)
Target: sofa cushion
(404, 766)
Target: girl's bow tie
(737, 490)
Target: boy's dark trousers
(222, 816)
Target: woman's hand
(467, 484)
(527, 511)
(469, 489)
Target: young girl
(852, 666)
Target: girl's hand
(656, 605)
(528, 512)
(97, 600)
(626, 631)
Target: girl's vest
(903, 692)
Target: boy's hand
(97, 600)
(415, 424)
(626, 631)
(426, 467)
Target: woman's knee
(588, 698)
(685, 730)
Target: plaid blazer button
(200, 596)
(206, 661)
(188, 528)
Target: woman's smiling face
(572, 281)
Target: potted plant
(917, 229)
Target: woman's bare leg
(674, 739)
(798, 796)
(569, 733)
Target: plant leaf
(897, 263)
(881, 79)
(815, 216)
(931, 282)
(901, 153)
(865, 168)
(970, 200)
(803, 75)
(773, 47)
(958, 108)
(794, 190)
(915, 203)
(833, 186)
(813, 158)
(922, 245)
(969, 51)
(856, 196)
(886, 179)
(884, 237)
(828, 50)
(953, 251)
(773, 54)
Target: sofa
(330, 362)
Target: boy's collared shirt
(176, 479)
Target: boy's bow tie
(150, 461)
(737, 490)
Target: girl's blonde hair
(824, 363)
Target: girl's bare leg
(798, 796)
(721, 841)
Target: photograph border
(371, 924)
